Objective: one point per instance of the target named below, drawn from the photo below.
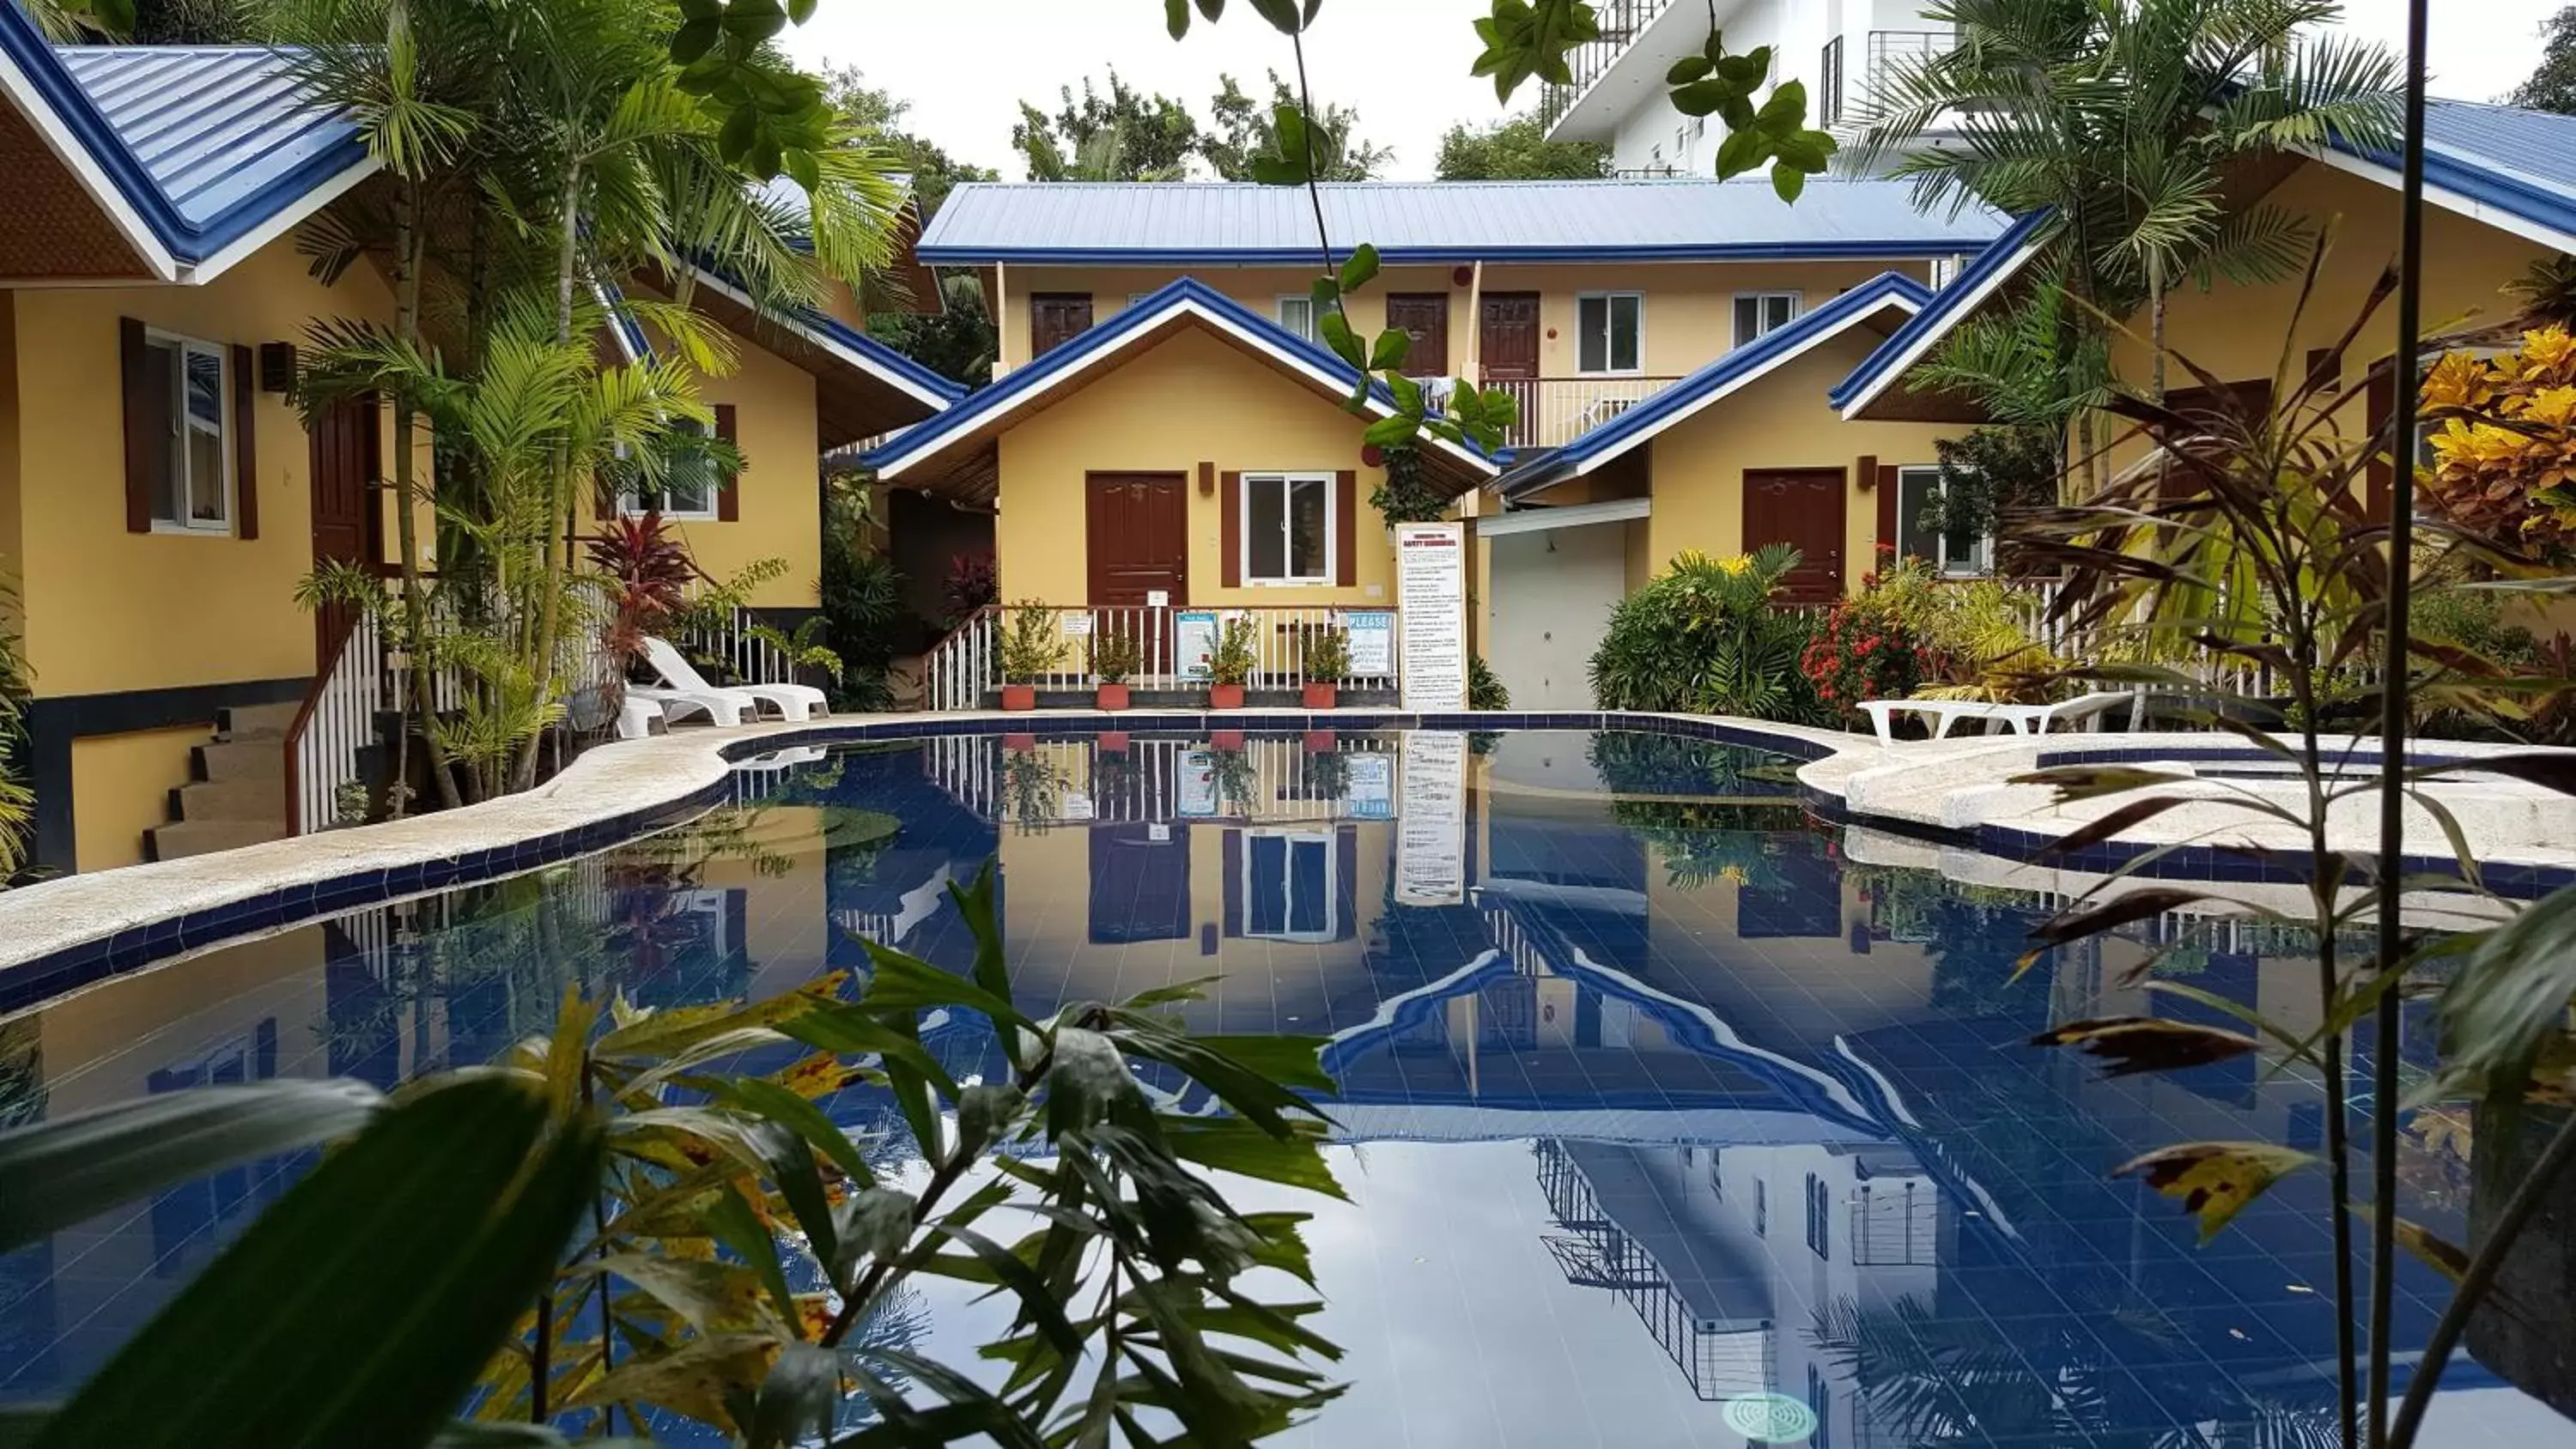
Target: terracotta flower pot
(1226, 740)
(1019, 696)
(1321, 742)
(1111, 696)
(1225, 696)
(1321, 696)
(1114, 742)
(1020, 744)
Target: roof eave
(1887, 249)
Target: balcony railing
(1555, 411)
(964, 670)
(1621, 21)
(1890, 48)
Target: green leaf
(2512, 993)
(910, 985)
(1740, 152)
(359, 1308)
(1688, 69)
(695, 38)
(1337, 334)
(1293, 1061)
(852, 1032)
(1391, 431)
(1788, 181)
(797, 1400)
(1232, 1145)
(1176, 17)
(983, 918)
(800, 11)
(1701, 98)
(2133, 1044)
(732, 1222)
(776, 1104)
(1283, 15)
(1360, 268)
(73, 1168)
(1326, 295)
(1393, 345)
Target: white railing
(729, 638)
(326, 745)
(1074, 782)
(1555, 411)
(962, 671)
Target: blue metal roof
(1947, 309)
(2521, 162)
(1148, 224)
(1717, 379)
(206, 143)
(1148, 312)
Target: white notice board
(1431, 595)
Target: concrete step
(257, 721)
(224, 761)
(205, 837)
(242, 799)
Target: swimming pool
(1665, 1122)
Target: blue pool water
(1669, 1118)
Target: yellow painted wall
(121, 787)
(183, 1012)
(1690, 306)
(1779, 421)
(781, 482)
(12, 542)
(110, 610)
(2236, 332)
(1187, 400)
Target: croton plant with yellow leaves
(2504, 463)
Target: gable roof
(1150, 224)
(863, 388)
(199, 155)
(1965, 294)
(2511, 168)
(2506, 167)
(1187, 302)
(1686, 398)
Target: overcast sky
(965, 64)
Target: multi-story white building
(1619, 96)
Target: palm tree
(2126, 118)
(549, 144)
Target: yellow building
(160, 494)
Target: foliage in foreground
(643, 1214)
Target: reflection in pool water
(1662, 1119)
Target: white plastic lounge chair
(720, 706)
(792, 701)
(637, 718)
(2023, 719)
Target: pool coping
(64, 934)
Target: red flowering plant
(1867, 647)
(648, 570)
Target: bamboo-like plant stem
(2480, 1276)
(2328, 883)
(407, 266)
(2395, 656)
(557, 560)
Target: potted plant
(1114, 657)
(1230, 663)
(1029, 647)
(1327, 660)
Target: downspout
(1001, 308)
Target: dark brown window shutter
(1888, 534)
(1230, 857)
(1229, 494)
(729, 497)
(245, 443)
(145, 427)
(1346, 528)
(2379, 406)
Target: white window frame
(1981, 562)
(630, 504)
(228, 444)
(1797, 308)
(1294, 839)
(1279, 314)
(1288, 479)
(1609, 333)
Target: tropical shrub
(972, 584)
(648, 570)
(1405, 497)
(1326, 657)
(1115, 655)
(1864, 651)
(860, 595)
(1704, 636)
(2504, 463)
(1485, 688)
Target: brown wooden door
(1803, 508)
(1138, 525)
(1425, 317)
(1507, 336)
(1056, 317)
(344, 465)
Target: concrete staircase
(239, 794)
